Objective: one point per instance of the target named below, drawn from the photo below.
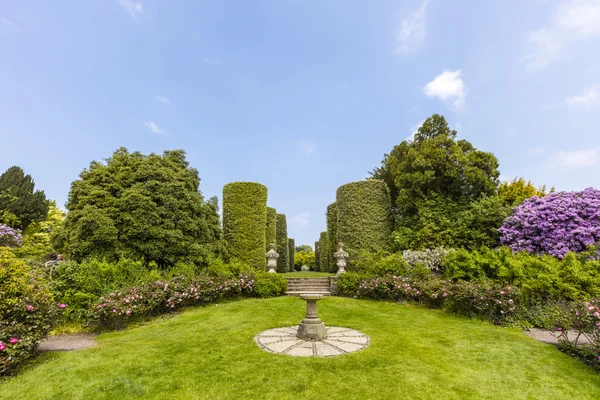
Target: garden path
(66, 342)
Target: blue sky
(302, 96)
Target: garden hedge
(332, 234)
(271, 231)
(324, 253)
(364, 217)
(291, 252)
(244, 222)
(317, 254)
(283, 262)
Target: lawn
(209, 353)
(307, 274)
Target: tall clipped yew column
(317, 255)
(271, 231)
(283, 262)
(323, 253)
(291, 252)
(364, 219)
(332, 235)
(244, 221)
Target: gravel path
(75, 341)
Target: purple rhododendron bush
(554, 224)
(27, 311)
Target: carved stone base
(312, 329)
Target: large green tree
(20, 203)
(432, 179)
(140, 206)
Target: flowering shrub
(555, 224)
(585, 322)
(268, 285)
(27, 311)
(10, 237)
(430, 258)
(166, 296)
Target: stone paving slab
(284, 341)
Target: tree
(303, 248)
(142, 207)
(304, 258)
(37, 237)
(20, 203)
(283, 262)
(513, 193)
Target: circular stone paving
(339, 341)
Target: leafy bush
(27, 311)
(585, 321)
(513, 193)
(555, 224)
(244, 222)
(283, 262)
(332, 241)
(160, 297)
(269, 285)
(430, 258)
(364, 217)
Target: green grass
(209, 353)
(307, 274)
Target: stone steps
(298, 286)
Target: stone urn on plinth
(340, 255)
(311, 328)
(272, 257)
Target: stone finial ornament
(272, 257)
(340, 255)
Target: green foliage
(305, 258)
(271, 232)
(364, 221)
(244, 222)
(291, 253)
(332, 216)
(323, 253)
(27, 311)
(382, 263)
(575, 277)
(283, 262)
(20, 205)
(513, 193)
(318, 254)
(37, 244)
(139, 206)
(269, 285)
(303, 247)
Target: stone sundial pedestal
(311, 328)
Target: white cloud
(309, 148)
(302, 218)
(589, 98)
(584, 158)
(162, 99)
(414, 130)
(153, 126)
(7, 22)
(131, 7)
(413, 29)
(572, 21)
(448, 87)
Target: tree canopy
(140, 206)
(20, 203)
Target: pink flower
(29, 308)
(14, 340)
(559, 329)
(2, 346)
(596, 314)
(127, 312)
(445, 294)
(502, 292)
(114, 310)
(61, 306)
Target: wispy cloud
(448, 87)
(132, 7)
(589, 99)
(575, 159)
(413, 29)
(414, 130)
(162, 99)
(6, 22)
(572, 21)
(154, 128)
(302, 218)
(308, 148)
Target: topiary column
(244, 222)
(291, 252)
(283, 262)
(332, 235)
(317, 255)
(271, 231)
(323, 253)
(364, 217)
